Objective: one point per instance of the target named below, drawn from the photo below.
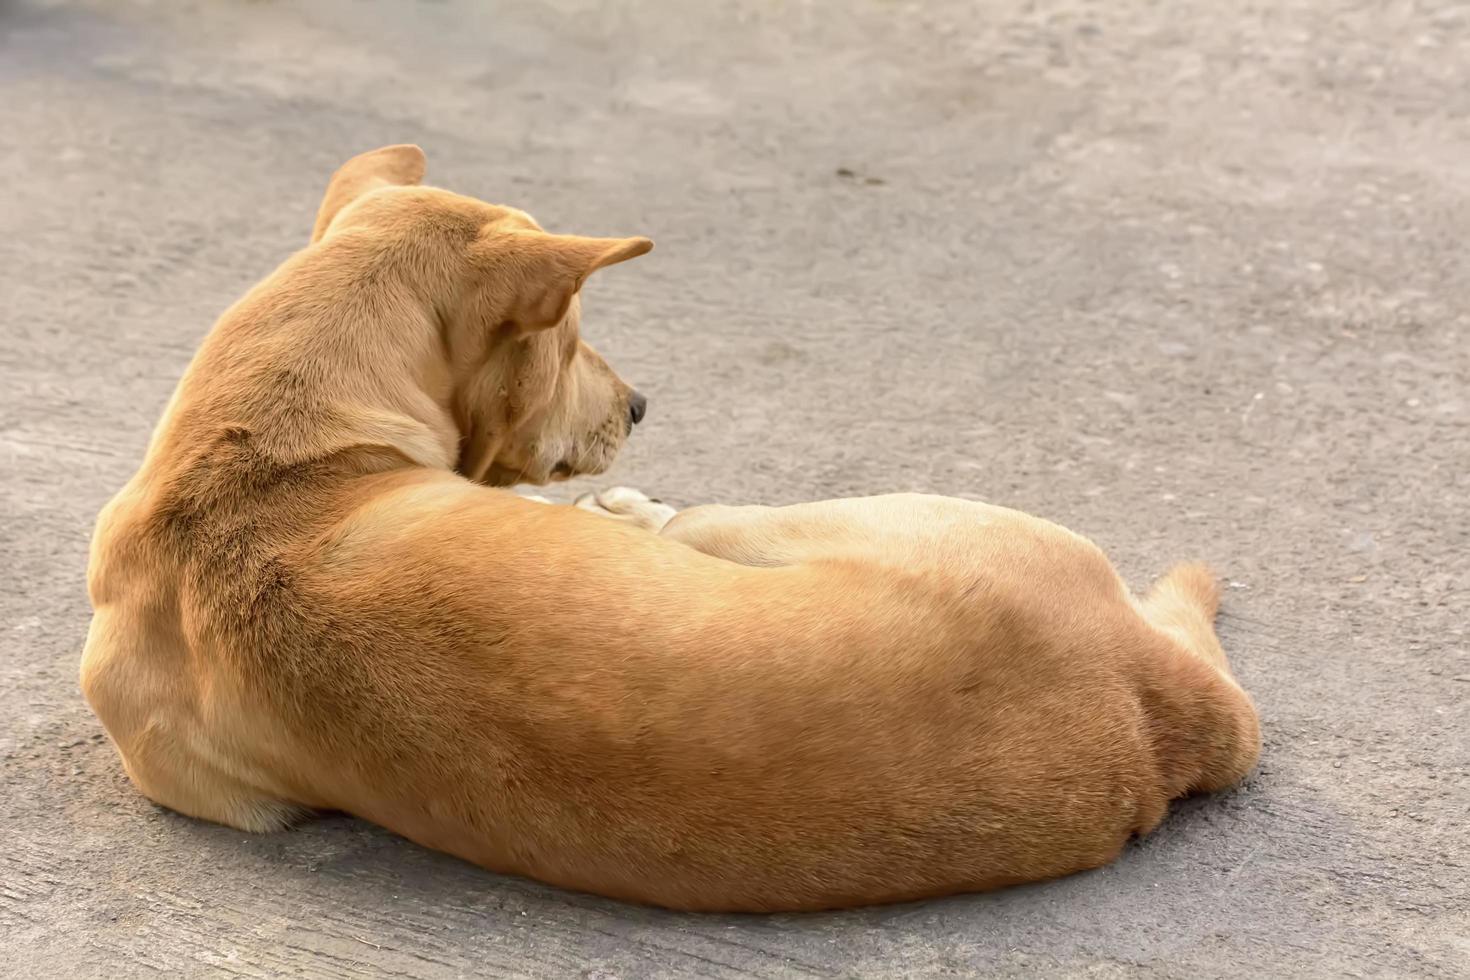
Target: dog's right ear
(392, 166)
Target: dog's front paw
(627, 504)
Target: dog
(315, 594)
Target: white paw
(627, 504)
(537, 498)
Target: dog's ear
(391, 166)
(542, 272)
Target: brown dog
(308, 598)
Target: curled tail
(1226, 733)
(1183, 604)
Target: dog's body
(306, 599)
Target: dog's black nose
(637, 407)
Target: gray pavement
(1189, 278)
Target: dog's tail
(1183, 604)
(1226, 733)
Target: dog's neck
(340, 348)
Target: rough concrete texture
(1188, 278)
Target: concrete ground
(1188, 278)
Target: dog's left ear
(391, 166)
(541, 272)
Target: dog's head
(533, 402)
